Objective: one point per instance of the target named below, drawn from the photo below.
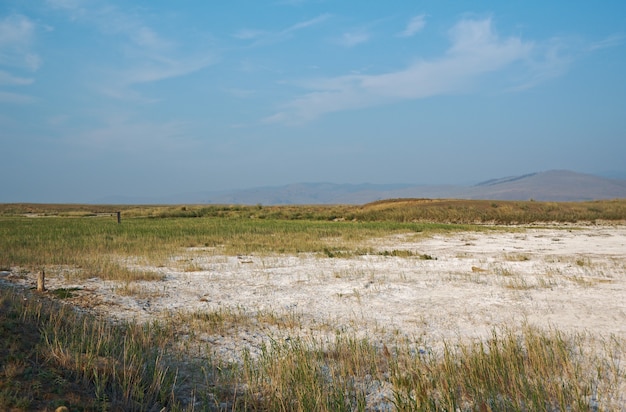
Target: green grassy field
(95, 244)
(53, 355)
(396, 210)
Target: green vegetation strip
(397, 210)
(97, 245)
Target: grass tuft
(64, 293)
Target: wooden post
(41, 281)
(119, 217)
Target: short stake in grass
(41, 281)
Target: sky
(102, 98)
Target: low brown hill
(466, 211)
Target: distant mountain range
(553, 185)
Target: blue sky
(150, 98)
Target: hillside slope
(554, 185)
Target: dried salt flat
(572, 278)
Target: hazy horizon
(106, 98)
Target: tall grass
(304, 376)
(130, 366)
(515, 369)
(124, 365)
(530, 369)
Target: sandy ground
(569, 277)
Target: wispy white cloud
(164, 69)
(415, 25)
(351, 39)
(149, 56)
(608, 42)
(11, 80)
(553, 58)
(17, 35)
(145, 37)
(265, 37)
(550, 60)
(111, 20)
(119, 82)
(75, 6)
(475, 49)
(16, 98)
(240, 93)
(125, 134)
(290, 2)
(249, 34)
(308, 23)
(57, 120)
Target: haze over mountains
(554, 185)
